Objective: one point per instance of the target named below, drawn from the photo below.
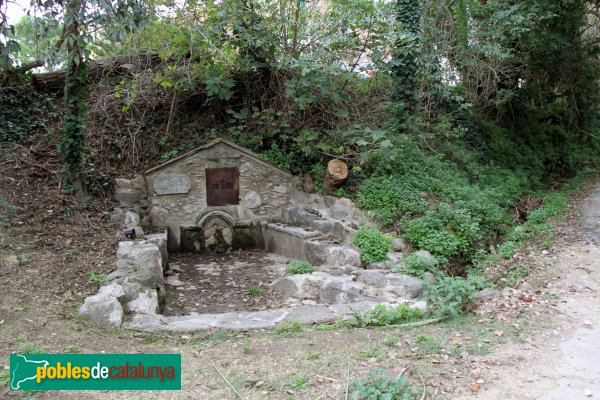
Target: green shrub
(389, 198)
(446, 232)
(276, 156)
(416, 265)
(380, 386)
(452, 296)
(384, 316)
(297, 267)
(373, 244)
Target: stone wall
(177, 191)
(136, 286)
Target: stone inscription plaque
(172, 184)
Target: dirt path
(562, 363)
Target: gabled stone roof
(255, 157)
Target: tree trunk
(336, 173)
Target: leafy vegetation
(457, 118)
(381, 315)
(379, 385)
(452, 296)
(297, 267)
(373, 244)
(416, 265)
(286, 328)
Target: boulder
(316, 251)
(405, 285)
(138, 182)
(398, 244)
(338, 211)
(304, 286)
(372, 278)
(339, 292)
(106, 311)
(123, 183)
(132, 219)
(127, 196)
(421, 305)
(429, 278)
(343, 255)
(486, 293)
(113, 290)
(118, 216)
(116, 276)
(145, 303)
(334, 271)
(425, 254)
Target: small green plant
(297, 267)
(256, 291)
(428, 346)
(74, 349)
(452, 296)
(373, 244)
(371, 352)
(246, 345)
(313, 355)
(507, 249)
(300, 383)
(324, 327)
(380, 386)
(169, 155)
(416, 265)
(286, 328)
(4, 377)
(514, 274)
(96, 277)
(390, 341)
(28, 348)
(381, 315)
(21, 339)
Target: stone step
(308, 245)
(329, 226)
(287, 240)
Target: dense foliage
(471, 107)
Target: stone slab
(172, 184)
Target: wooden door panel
(222, 186)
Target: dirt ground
(236, 281)
(531, 342)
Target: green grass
(256, 291)
(74, 349)
(28, 348)
(371, 352)
(286, 328)
(297, 267)
(4, 377)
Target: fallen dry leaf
(475, 387)
(499, 332)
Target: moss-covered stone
(242, 239)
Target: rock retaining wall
(136, 286)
